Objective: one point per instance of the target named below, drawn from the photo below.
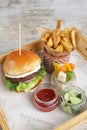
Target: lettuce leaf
(28, 86)
(69, 75)
(20, 86)
(10, 85)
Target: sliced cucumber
(71, 93)
(73, 97)
(70, 103)
(68, 109)
(75, 100)
(66, 96)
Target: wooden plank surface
(69, 125)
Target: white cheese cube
(62, 76)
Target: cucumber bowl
(73, 100)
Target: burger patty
(22, 79)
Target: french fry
(67, 30)
(59, 22)
(50, 42)
(73, 37)
(66, 45)
(62, 33)
(45, 37)
(65, 33)
(56, 34)
(60, 40)
(65, 39)
(56, 37)
(59, 48)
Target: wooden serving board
(69, 125)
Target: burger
(23, 72)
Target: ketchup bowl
(46, 97)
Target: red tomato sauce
(46, 95)
(46, 99)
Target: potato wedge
(59, 48)
(59, 23)
(60, 40)
(56, 37)
(50, 42)
(66, 45)
(63, 34)
(72, 36)
(45, 37)
(67, 30)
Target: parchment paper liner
(52, 51)
(81, 44)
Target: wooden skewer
(19, 38)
